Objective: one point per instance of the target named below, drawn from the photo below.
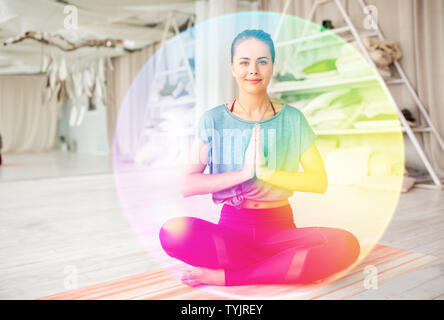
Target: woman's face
(252, 66)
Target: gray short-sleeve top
(284, 137)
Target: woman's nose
(253, 68)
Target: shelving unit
(315, 85)
(155, 108)
(160, 130)
(312, 86)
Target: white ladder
(170, 22)
(403, 80)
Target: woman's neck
(253, 103)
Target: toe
(192, 283)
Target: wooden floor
(68, 216)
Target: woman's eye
(246, 62)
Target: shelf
(171, 103)
(339, 41)
(167, 72)
(394, 81)
(321, 45)
(312, 37)
(156, 132)
(362, 33)
(322, 84)
(326, 132)
(419, 129)
(438, 183)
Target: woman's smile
(253, 81)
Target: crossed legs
(227, 256)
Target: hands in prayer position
(255, 163)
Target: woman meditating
(253, 148)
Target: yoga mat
(161, 284)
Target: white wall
(91, 135)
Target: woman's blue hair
(257, 34)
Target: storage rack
(401, 80)
(156, 107)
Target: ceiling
(139, 22)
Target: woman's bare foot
(194, 276)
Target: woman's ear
(232, 69)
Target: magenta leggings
(259, 246)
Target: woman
(255, 240)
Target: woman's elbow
(184, 192)
(189, 186)
(184, 187)
(323, 184)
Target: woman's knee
(344, 242)
(173, 231)
(351, 246)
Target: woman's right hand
(248, 170)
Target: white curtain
(416, 26)
(27, 124)
(214, 82)
(125, 69)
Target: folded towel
(322, 75)
(392, 183)
(356, 113)
(323, 101)
(382, 183)
(299, 104)
(375, 108)
(350, 98)
(325, 145)
(326, 115)
(385, 164)
(332, 118)
(377, 124)
(329, 125)
(347, 166)
(351, 63)
(321, 66)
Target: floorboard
(62, 211)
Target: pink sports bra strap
(274, 111)
(232, 106)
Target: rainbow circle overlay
(342, 95)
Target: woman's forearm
(297, 181)
(202, 183)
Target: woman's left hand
(262, 171)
